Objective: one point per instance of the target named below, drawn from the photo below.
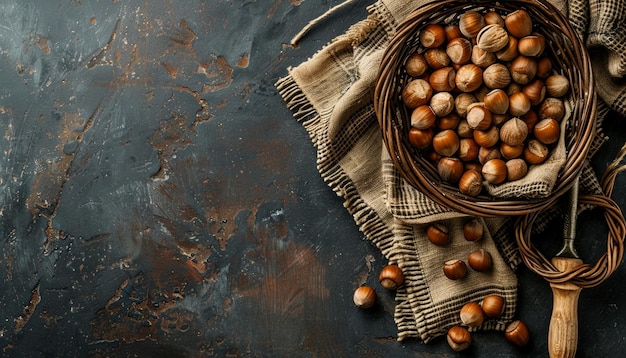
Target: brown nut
(446, 142)
(513, 132)
(364, 297)
(492, 38)
(493, 306)
(516, 169)
(459, 338)
(452, 32)
(423, 117)
(416, 65)
(519, 23)
(494, 171)
(492, 17)
(487, 138)
(468, 149)
(470, 23)
(391, 277)
(479, 260)
(473, 230)
(557, 85)
(433, 35)
(547, 131)
(530, 118)
(519, 104)
(482, 58)
(509, 52)
(535, 91)
(472, 166)
(438, 234)
(450, 169)
(471, 183)
(462, 102)
(497, 101)
(511, 151)
(463, 130)
(416, 93)
(517, 333)
(442, 80)
(421, 138)
(459, 50)
(497, 76)
(436, 58)
(535, 152)
(523, 69)
(544, 67)
(531, 45)
(449, 121)
(552, 107)
(455, 269)
(472, 314)
(468, 77)
(478, 117)
(485, 154)
(442, 103)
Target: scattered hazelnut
(454, 269)
(473, 230)
(450, 169)
(459, 338)
(492, 17)
(485, 154)
(517, 333)
(535, 91)
(511, 151)
(437, 233)
(493, 306)
(391, 277)
(449, 121)
(472, 314)
(364, 297)
(479, 260)
(482, 58)
(544, 67)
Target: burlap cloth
(331, 95)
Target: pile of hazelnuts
(485, 101)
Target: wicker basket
(569, 56)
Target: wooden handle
(563, 332)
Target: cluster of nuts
(473, 314)
(479, 260)
(391, 277)
(485, 102)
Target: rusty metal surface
(158, 199)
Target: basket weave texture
(569, 57)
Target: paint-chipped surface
(158, 199)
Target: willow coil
(569, 56)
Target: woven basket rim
(415, 172)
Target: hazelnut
(436, 58)
(535, 152)
(437, 233)
(519, 104)
(468, 149)
(391, 277)
(416, 65)
(513, 132)
(478, 117)
(492, 38)
(519, 23)
(452, 32)
(442, 103)
(544, 67)
(530, 118)
(496, 76)
(462, 102)
(535, 91)
(470, 23)
(459, 338)
(508, 52)
(479, 260)
(450, 169)
(433, 35)
(494, 171)
(364, 297)
(513, 88)
(470, 183)
(557, 85)
(455, 269)
(516, 169)
(493, 17)
(416, 93)
(517, 333)
(499, 119)
(473, 230)
(493, 306)
(472, 166)
(485, 154)
(523, 69)
(446, 142)
(481, 92)
(547, 131)
(449, 121)
(463, 130)
(421, 138)
(459, 50)
(472, 314)
(423, 117)
(468, 77)
(511, 151)
(487, 138)
(497, 101)
(442, 80)
(482, 58)
(552, 107)
(531, 45)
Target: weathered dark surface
(158, 199)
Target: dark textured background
(158, 199)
